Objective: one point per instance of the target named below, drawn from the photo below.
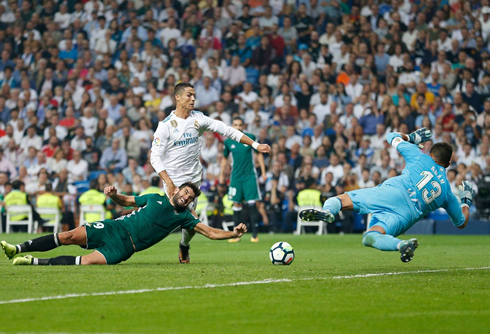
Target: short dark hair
(180, 87)
(238, 119)
(442, 152)
(48, 187)
(155, 181)
(17, 184)
(194, 188)
(93, 184)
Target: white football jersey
(177, 145)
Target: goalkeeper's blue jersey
(425, 184)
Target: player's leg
(331, 208)
(251, 194)
(77, 236)
(187, 235)
(254, 219)
(93, 258)
(45, 243)
(380, 236)
(235, 194)
(184, 245)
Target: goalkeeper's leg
(331, 208)
(377, 237)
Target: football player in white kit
(177, 144)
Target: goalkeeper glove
(419, 136)
(466, 193)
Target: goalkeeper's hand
(419, 136)
(466, 193)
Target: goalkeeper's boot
(310, 215)
(407, 247)
(23, 260)
(234, 240)
(184, 256)
(10, 250)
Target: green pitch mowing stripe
(210, 286)
(353, 295)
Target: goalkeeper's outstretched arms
(458, 207)
(466, 193)
(403, 143)
(417, 137)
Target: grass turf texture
(433, 302)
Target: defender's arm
(119, 199)
(217, 234)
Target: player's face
(187, 98)
(183, 198)
(237, 124)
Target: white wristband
(255, 145)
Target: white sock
(186, 237)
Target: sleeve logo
(156, 141)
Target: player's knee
(67, 238)
(369, 238)
(93, 258)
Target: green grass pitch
(435, 293)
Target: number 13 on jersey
(421, 185)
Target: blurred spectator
(113, 158)
(6, 166)
(77, 168)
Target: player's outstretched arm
(417, 137)
(262, 148)
(119, 199)
(217, 234)
(230, 132)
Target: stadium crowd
(83, 85)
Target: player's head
(186, 193)
(185, 95)
(237, 123)
(442, 153)
(155, 181)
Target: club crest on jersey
(196, 125)
(233, 146)
(173, 123)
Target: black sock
(40, 244)
(58, 261)
(237, 216)
(254, 219)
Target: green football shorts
(244, 190)
(110, 239)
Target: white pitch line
(207, 286)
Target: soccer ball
(281, 253)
